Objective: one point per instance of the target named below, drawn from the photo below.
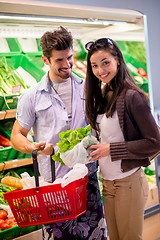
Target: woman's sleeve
(149, 144)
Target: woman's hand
(100, 150)
(47, 148)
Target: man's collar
(44, 84)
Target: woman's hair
(60, 39)
(96, 97)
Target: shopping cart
(48, 204)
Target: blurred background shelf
(15, 163)
(8, 114)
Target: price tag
(16, 88)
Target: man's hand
(47, 148)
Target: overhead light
(34, 18)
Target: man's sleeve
(25, 111)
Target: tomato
(9, 220)
(1, 221)
(5, 226)
(142, 72)
(14, 220)
(13, 224)
(3, 214)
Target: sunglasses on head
(103, 41)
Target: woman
(119, 113)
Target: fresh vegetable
(4, 189)
(8, 223)
(10, 220)
(13, 218)
(7, 209)
(142, 72)
(13, 224)
(9, 78)
(1, 222)
(136, 50)
(5, 141)
(3, 214)
(69, 139)
(5, 226)
(11, 172)
(139, 79)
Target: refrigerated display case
(22, 25)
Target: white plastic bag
(79, 171)
(29, 182)
(79, 154)
(7, 209)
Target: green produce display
(4, 142)
(136, 50)
(4, 188)
(69, 139)
(9, 78)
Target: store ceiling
(35, 17)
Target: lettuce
(69, 139)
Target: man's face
(60, 65)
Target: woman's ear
(45, 60)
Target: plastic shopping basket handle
(35, 165)
(52, 166)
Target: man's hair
(59, 39)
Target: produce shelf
(8, 114)
(13, 46)
(4, 153)
(29, 72)
(30, 45)
(22, 61)
(8, 102)
(2, 115)
(36, 58)
(6, 127)
(16, 231)
(15, 163)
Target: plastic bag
(7, 209)
(29, 182)
(80, 152)
(79, 171)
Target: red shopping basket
(48, 204)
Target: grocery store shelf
(15, 163)
(2, 115)
(8, 114)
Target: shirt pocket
(43, 104)
(44, 112)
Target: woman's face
(104, 65)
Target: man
(54, 105)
